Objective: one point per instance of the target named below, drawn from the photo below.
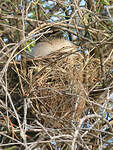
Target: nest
(57, 88)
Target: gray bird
(46, 47)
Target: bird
(51, 42)
(45, 48)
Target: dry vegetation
(63, 100)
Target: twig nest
(57, 83)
